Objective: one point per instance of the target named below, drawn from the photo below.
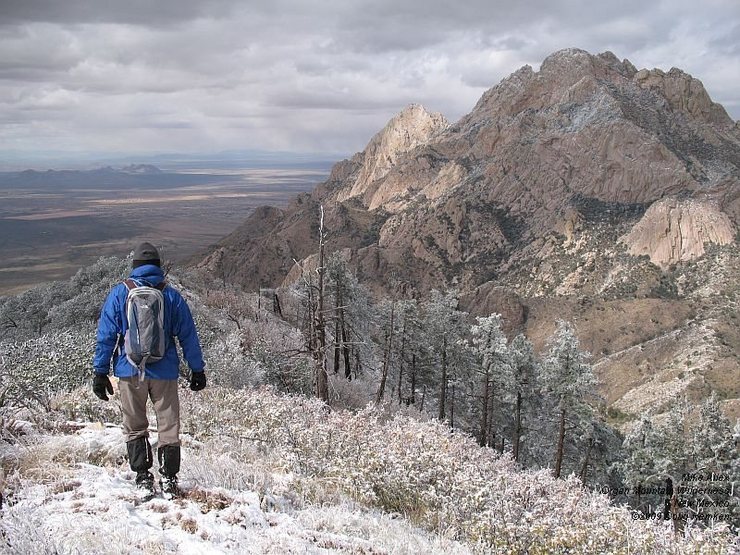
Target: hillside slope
(264, 473)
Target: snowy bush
(243, 345)
(440, 479)
(71, 304)
(32, 372)
(228, 365)
(90, 286)
(82, 405)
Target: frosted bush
(24, 531)
(228, 365)
(439, 478)
(32, 372)
(354, 394)
(82, 405)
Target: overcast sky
(124, 76)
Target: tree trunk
(345, 349)
(517, 425)
(412, 398)
(322, 378)
(484, 418)
(443, 390)
(276, 305)
(561, 439)
(678, 524)
(452, 406)
(402, 354)
(587, 460)
(259, 305)
(386, 358)
(337, 344)
(340, 335)
(491, 432)
(310, 319)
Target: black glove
(197, 381)
(101, 384)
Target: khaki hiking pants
(163, 394)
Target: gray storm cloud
(141, 76)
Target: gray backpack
(144, 341)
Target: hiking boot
(169, 486)
(169, 466)
(145, 481)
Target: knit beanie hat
(146, 253)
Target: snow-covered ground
(79, 507)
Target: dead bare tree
(319, 352)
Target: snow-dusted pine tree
(389, 330)
(524, 367)
(714, 447)
(496, 373)
(716, 463)
(570, 380)
(345, 292)
(445, 327)
(638, 467)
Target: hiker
(146, 363)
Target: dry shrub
(209, 500)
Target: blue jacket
(178, 322)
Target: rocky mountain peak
(563, 76)
(684, 93)
(411, 127)
(575, 61)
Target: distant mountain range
(131, 176)
(588, 190)
(18, 161)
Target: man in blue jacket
(159, 382)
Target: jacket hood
(150, 273)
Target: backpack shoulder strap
(131, 284)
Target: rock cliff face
(551, 188)
(673, 231)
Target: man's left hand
(197, 381)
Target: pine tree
(411, 344)
(673, 455)
(345, 292)
(714, 448)
(388, 309)
(569, 379)
(445, 328)
(496, 371)
(671, 448)
(524, 367)
(716, 461)
(638, 467)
